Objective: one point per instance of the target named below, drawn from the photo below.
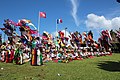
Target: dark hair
(4, 43)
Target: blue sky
(77, 15)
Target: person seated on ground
(52, 54)
(59, 55)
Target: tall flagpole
(39, 24)
(39, 57)
(56, 35)
(4, 37)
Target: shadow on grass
(110, 66)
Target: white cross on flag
(42, 14)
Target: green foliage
(97, 68)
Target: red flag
(42, 14)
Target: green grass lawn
(97, 68)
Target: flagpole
(4, 37)
(40, 56)
(56, 35)
(39, 24)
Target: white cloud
(74, 11)
(95, 21)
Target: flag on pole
(59, 21)
(42, 14)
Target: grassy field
(97, 68)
